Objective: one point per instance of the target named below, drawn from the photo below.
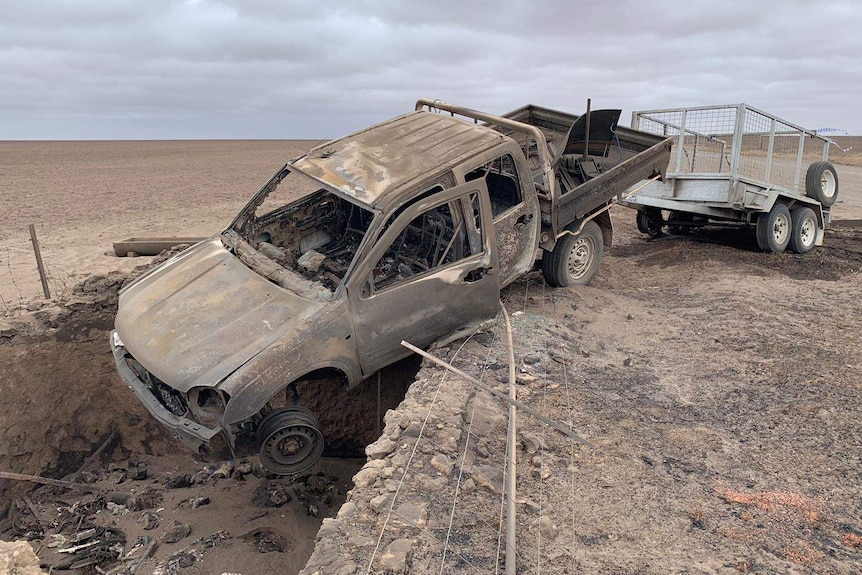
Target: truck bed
(629, 157)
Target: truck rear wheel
(804, 231)
(821, 183)
(773, 229)
(576, 258)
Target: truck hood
(199, 317)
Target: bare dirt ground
(721, 386)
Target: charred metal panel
(325, 342)
(429, 306)
(376, 165)
(194, 322)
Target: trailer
(735, 165)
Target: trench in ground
(63, 399)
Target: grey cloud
(267, 68)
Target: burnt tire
(803, 234)
(647, 223)
(290, 441)
(774, 229)
(821, 183)
(576, 258)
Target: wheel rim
(290, 446)
(781, 229)
(827, 183)
(808, 231)
(290, 441)
(581, 257)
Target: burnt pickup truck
(406, 230)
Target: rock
(203, 475)
(361, 541)
(530, 441)
(347, 510)
(195, 502)
(468, 486)
(488, 476)
(381, 503)
(524, 379)
(366, 476)
(413, 429)
(116, 509)
(179, 482)
(414, 514)
(176, 532)
(531, 505)
(18, 558)
(442, 464)
(532, 358)
(149, 519)
(547, 528)
(380, 448)
(396, 557)
(138, 473)
(146, 499)
(270, 495)
(627, 362)
(329, 528)
(223, 471)
(244, 468)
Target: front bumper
(190, 432)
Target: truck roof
(376, 164)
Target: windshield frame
(239, 226)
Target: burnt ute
(404, 230)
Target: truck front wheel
(290, 440)
(576, 258)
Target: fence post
(41, 267)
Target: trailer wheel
(774, 229)
(576, 258)
(647, 223)
(804, 231)
(821, 183)
(290, 440)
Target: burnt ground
(721, 387)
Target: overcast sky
(141, 69)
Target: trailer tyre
(576, 258)
(821, 183)
(774, 229)
(804, 232)
(647, 223)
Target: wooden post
(41, 267)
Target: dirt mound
(736, 250)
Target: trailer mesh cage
(735, 141)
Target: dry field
(720, 385)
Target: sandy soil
(721, 385)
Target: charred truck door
(431, 272)
(514, 207)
